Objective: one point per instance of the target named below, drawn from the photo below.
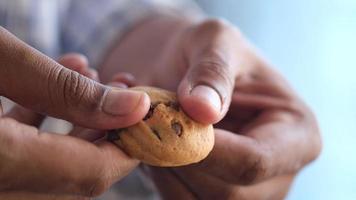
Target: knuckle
(214, 67)
(214, 72)
(315, 136)
(317, 146)
(214, 24)
(76, 90)
(253, 171)
(217, 26)
(304, 117)
(83, 92)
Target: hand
(36, 82)
(268, 133)
(36, 162)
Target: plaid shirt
(89, 27)
(86, 26)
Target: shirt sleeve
(91, 27)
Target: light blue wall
(313, 43)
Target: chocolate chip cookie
(166, 136)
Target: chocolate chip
(113, 135)
(177, 127)
(172, 104)
(155, 132)
(151, 110)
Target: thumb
(37, 82)
(206, 89)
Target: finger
(235, 159)
(90, 134)
(87, 134)
(78, 63)
(63, 93)
(246, 107)
(169, 185)
(261, 152)
(51, 163)
(125, 78)
(118, 84)
(74, 61)
(19, 195)
(213, 65)
(92, 74)
(271, 84)
(199, 182)
(25, 116)
(274, 188)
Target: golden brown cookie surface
(166, 136)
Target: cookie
(166, 136)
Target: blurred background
(313, 43)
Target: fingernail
(122, 102)
(207, 94)
(93, 74)
(118, 85)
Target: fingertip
(143, 105)
(202, 103)
(118, 85)
(208, 95)
(199, 110)
(118, 163)
(126, 106)
(74, 61)
(140, 111)
(91, 73)
(125, 78)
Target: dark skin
(264, 136)
(38, 165)
(250, 154)
(258, 103)
(265, 133)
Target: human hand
(36, 82)
(268, 133)
(37, 162)
(267, 136)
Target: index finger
(276, 147)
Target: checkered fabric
(86, 26)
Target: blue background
(313, 43)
